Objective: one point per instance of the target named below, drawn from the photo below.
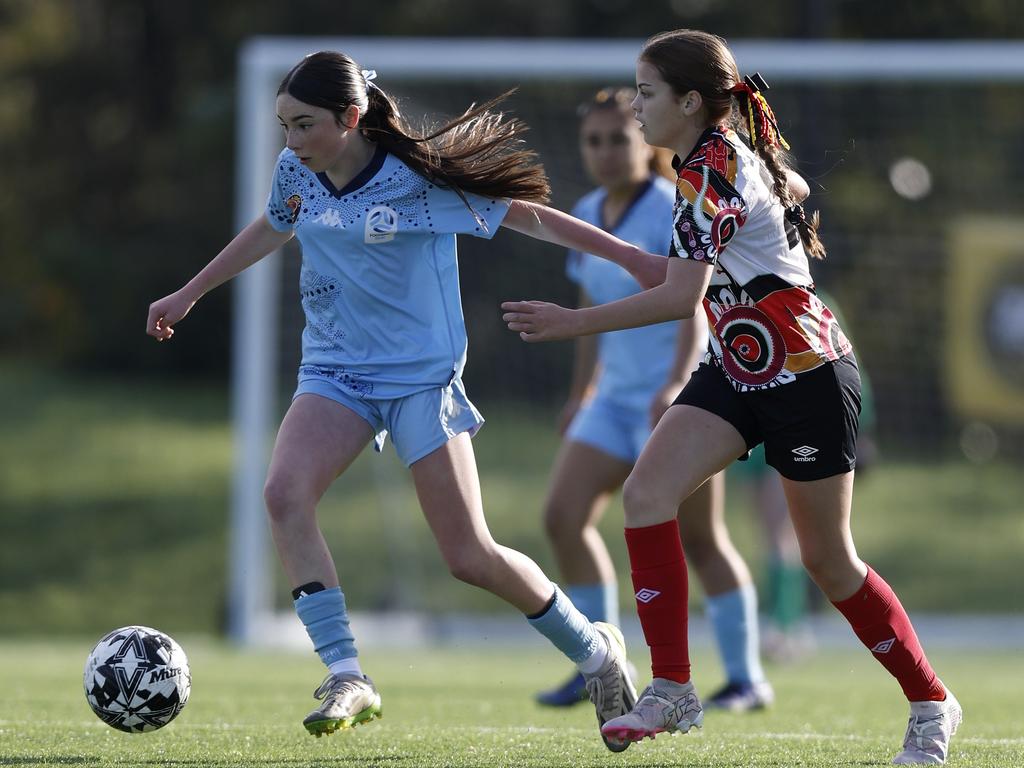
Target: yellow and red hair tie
(766, 129)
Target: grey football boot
(348, 700)
(611, 688)
(932, 725)
(665, 706)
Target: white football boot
(348, 700)
(611, 688)
(665, 706)
(932, 724)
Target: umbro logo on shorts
(885, 646)
(804, 453)
(646, 595)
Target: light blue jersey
(634, 363)
(379, 280)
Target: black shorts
(808, 426)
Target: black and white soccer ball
(137, 679)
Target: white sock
(596, 660)
(349, 666)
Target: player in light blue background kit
(623, 382)
(376, 210)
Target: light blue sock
(733, 616)
(567, 628)
(598, 602)
(326, 620)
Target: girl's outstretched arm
(544, 223)
(248, 246)
(676, 298)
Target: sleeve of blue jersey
(446, 212)
(278, 215)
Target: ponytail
(480, 151)
(768, 142)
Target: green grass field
(113, 493)
(472, 707)
(104, 482)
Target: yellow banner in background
(985, 324)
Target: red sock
(881, 623)
(659, 578)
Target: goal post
(263, 61)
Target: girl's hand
(649, 270)
(539, 320)
(165, 312)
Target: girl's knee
(560, 525)
(636, 496)
(472, 565)
(645, 503)
(284, 497)
(832, 574)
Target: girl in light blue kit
(622, 384)
(376, 210)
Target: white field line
(527, 730)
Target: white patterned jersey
(767, 325)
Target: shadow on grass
(34, 760)
(293, 761)
(781, 762)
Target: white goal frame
(263, 61)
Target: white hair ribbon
(369, 75)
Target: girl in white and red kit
(779, 371)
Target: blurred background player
(784, 588)
(787, 596)
(622, 383)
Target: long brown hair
(692, 60)
(480, 151)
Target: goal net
(912, 150)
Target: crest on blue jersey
(381, 224)
(294, 204)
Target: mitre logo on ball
(137, 679)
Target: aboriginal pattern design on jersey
(352, 381)
(765, 330)
(708, 210)
(318, 295)
(310, 201)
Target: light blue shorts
(419, 424)
(611, 428)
